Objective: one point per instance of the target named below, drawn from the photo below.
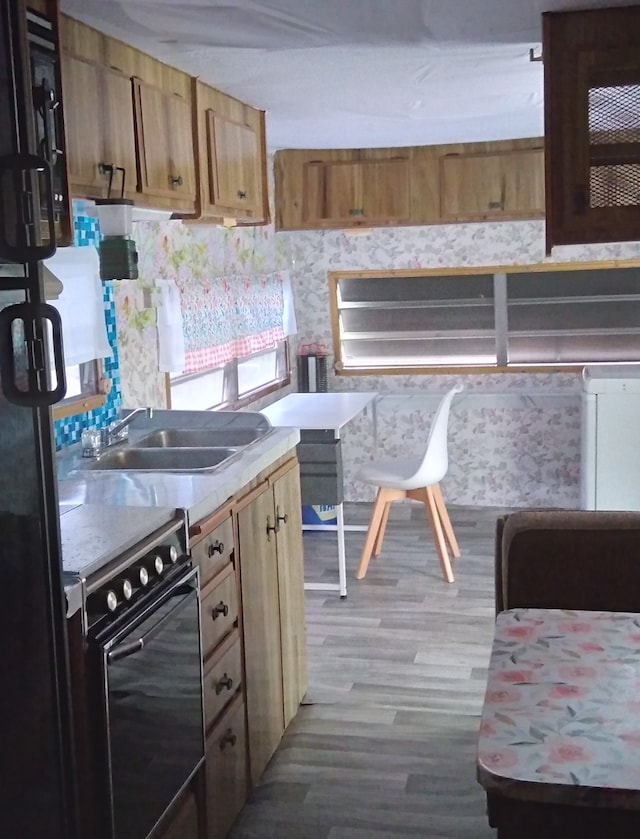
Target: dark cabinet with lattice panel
(592, 125)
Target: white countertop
(317, 410)
(94, 534)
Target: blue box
(319, 514)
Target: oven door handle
(127, 648)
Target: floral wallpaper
(191, 255)
(514, 439)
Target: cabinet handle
(227, 739)
(225, 682)
(280, 518)
(271, 528)
(216, 548)
(220, 609)
(242, 194)
(175, 180)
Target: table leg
(342, 556)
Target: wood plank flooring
(384, 744)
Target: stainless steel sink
(164, 459)
(205, 437)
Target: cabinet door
(119, 131)
(83, 126)
(233, 158)
(261, 626)
(181, 156)
(286, 491)
(364, 191)
(484, 186)
(592, 125)
(152, 136)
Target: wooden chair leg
(379, 506)
(438, 535)
(383, 526)
(445, 520)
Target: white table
(323, 412)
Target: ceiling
(355, 73)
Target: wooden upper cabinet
(416, 185)
(119, 134)
(490, 185)
(592, 125)
(164, 139)
(360, 192)
(129, 122)
(233, 163)
(81, 84)
(232, 168)
(100, 140)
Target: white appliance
(610, 445)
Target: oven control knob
(169, 553)
(154, 564)
(140, 575)
(126, 589)
(111, 600)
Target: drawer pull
(175, 180)
(216, 548)
(225, 683)
(280, 518)
(227, 739)
(220, 609)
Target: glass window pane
(257, 371)
(199, 392)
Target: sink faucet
(110, 435)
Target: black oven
(145, 677)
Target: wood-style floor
(384, 744)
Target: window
(480, 320)
(232, 385)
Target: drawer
(213, 550)
(218, 608)
(222, 676)
(226, 770)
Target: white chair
(398, 478)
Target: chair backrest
(436, 458)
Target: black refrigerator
(37, 788)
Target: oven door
(154, 708)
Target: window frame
(83, 402)
(232, 401)
(334, 278)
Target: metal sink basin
(164, 459)
(206, 437)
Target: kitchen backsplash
(69, 429)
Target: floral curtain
(230, 317)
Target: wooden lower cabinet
(226, 770)
(185, 821)
(261, 627)
(272, 584)
(253, 634)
